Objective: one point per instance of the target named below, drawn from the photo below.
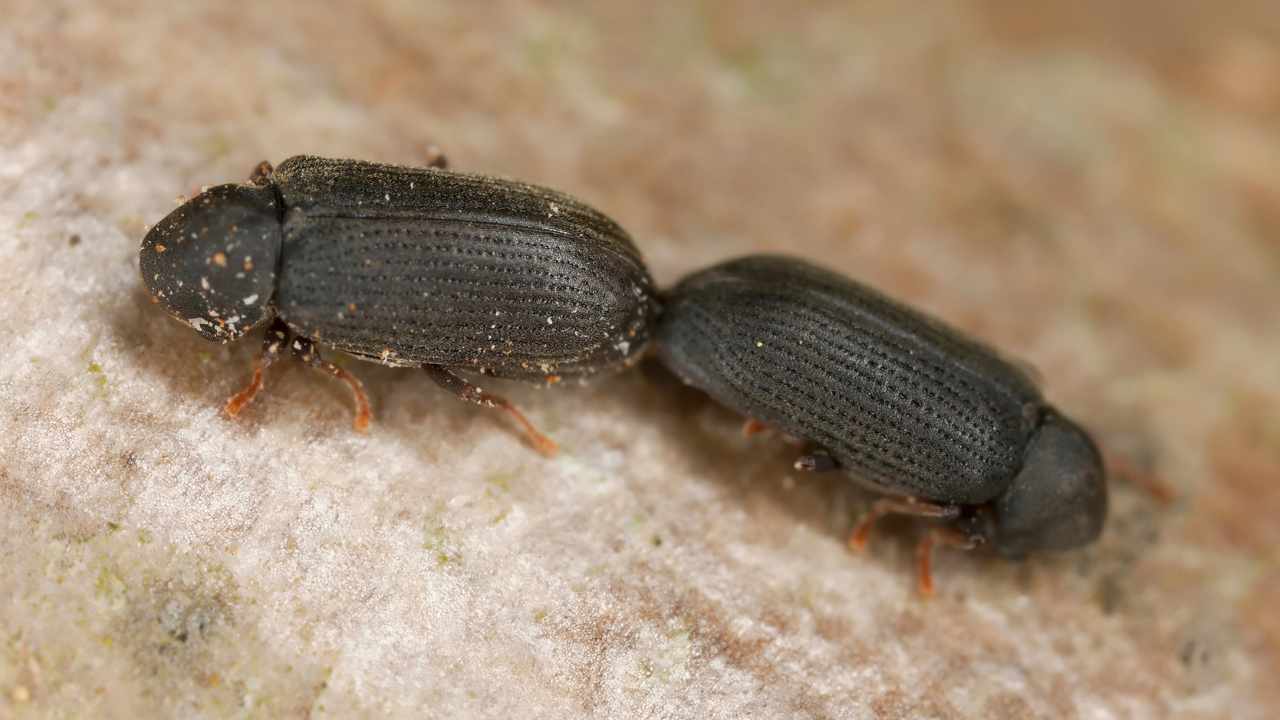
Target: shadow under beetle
(408, 267)
(906, 405)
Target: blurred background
(1091, 186)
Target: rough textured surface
(1094, 186)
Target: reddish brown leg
(306, 351)
(752, 427)
(277, 336)
(473, 393)
(1147, 482)
(924, 552)
(898, 506)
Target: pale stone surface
(1095, 187)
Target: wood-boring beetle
(906, 405)
(408, 267)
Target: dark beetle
(906, 405)
(410, 267)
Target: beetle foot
(752, 427)
(1146, 481)
(464, 390)
(543, 444)
(898, 506)
(924, 552)
(237, 402)
(275, 338)
(307, 352)
(364, 414)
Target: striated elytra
(906, 405)
(409, 267)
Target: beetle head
(1058, 501)
(212, 262)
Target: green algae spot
(436, 539)
(216, 146)
(109, 586)
(96, 370)
(501, 480)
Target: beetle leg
(306, 351)
(1146, 481)
(261, 174)
(275, 340)
(472, 393)
(924, 552)
(898, 506)
(816, 461)
(436, 157)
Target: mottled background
(1093, 186)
